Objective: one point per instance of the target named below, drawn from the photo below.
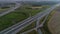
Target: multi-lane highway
(19, 26)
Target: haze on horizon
(29, 0)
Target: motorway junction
(28, 18)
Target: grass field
(3, 9)
(11, 19)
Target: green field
(4, 9)
(18, 15)
(11, 19)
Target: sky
(30, 0)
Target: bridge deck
(54, 23)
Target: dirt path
(54, 23)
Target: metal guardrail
(18, 27)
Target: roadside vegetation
(3, 8)
(32, 25)
(33, 32)
(45, 29)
